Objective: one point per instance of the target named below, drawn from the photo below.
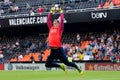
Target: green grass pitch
(59, 75)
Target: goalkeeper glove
(52, 10)
(61, 11)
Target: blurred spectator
(33, 47)
(78, 38)
(75, 56)
(111, 5)
(31, 13)
(40, 9)
(7, 3)
(13, 8)
(1, 57)
(81, 56)
(40, 56)
(118, 54)
(27, 51)
(47, 45)
(107, 4)
(113, 58)
(79, 49)
(116, 3)
(1, 11)
(89, 52)
(17, 43)
(32, 59)
(101, 5)
(40, 45)
(20, 56)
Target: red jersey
(54, 37)
(55, 34)
(40, 10)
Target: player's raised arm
(61, 20)
(49, 22)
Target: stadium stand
(24, 7)
(98, 46)
(95, 45)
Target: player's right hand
(52, 10)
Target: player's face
(55, 23)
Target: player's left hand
(61, 11)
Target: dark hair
(56, 20)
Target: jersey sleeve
(49, 23)
(62, 21)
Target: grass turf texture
(59, 75)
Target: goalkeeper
(54, 40)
